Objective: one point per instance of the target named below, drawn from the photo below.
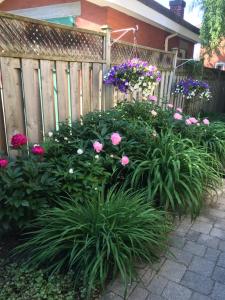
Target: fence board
(32, 100)
(47, 88)
(96, 90)
(62, 90)
(86, 91)
(75, 90)
(12, 96)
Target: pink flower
(188, 122)
(97, 147)
(38, 150)
(193, 120)
(158, 79)
(18, 140)
(180, 110)
(178, 116)
(205, 122)
(124, 160)
(3, 163)
(116, 138)
(153, 98)
(170, 105)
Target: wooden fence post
(107, 94)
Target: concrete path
(196, 272)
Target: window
(220, 66)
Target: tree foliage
(213, 23)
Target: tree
(213, 23)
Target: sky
(193, 16)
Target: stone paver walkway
(195, 272)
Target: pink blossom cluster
(115, 140)
(3, 162)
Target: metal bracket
(124, 32)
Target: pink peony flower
(3, 163)
(38, 150)
(18, 140)
(153, 98)
(116, 138)
(205, 122)
(170, 105)
(193, 120)
(124, 160)
(178, 116)
(180, 110)
(188, 122)
(97, 147)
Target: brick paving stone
(139, 294)
(201, 227)
(155, 297)
(197, 296)
(177, 241)
(208, 241)
(184, 226)
(157, 285)
(192, 235)
(221, 260)
(110, 296)
(218, 292)
(212, 254)
(198, 283)
(220, 224)
(219, 275)
(172, 270)
(174, 291)
(118, 288)
(219, 233)
(221, 245)
(180, 256)
(194, 248)
(202, 266)
(216, 213)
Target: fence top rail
(145, 48)
(49, 24)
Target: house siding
(93, 17)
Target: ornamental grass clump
(98, 239)
(176, 174)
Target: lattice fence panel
(123, 51)
(23, 37)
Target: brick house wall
(94, 16)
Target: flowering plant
(134, 76)
(192, 88)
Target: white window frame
(220, 63)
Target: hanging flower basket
(134, 76)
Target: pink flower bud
(38, 150)
(153, 98)
(180, 110)
(97, 147)
(116, 138)
(178, 116)
(124, 160)
(3, 163)
(206, 122)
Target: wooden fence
(51, 73)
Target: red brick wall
(20, 4)
(93, 17)
(211, 60)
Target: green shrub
(27, 186)
(19, 283)
(98, 238)
(176, 174)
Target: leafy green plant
(19, 283)
(99, 238)
(27, 186)
(176, 174)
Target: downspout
(167, 40)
